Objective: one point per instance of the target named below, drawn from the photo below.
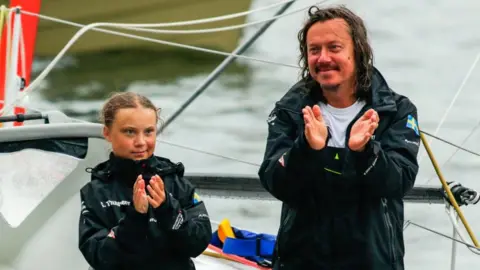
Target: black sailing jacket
(341, 209)
(112, 235)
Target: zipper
(389, 226)
(284, 223)
(278, 258)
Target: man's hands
(315, 129)
(363, 130)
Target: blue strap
(249, 244)
(252, 246)
(249, 247)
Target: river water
(423, 48)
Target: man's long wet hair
(361, 48)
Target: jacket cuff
(132, 229)
(169, 217)
(304, 146)
(366, 159)
(135, 219)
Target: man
(340, 154)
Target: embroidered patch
(412, 123)
(196, 198)
(178, 221)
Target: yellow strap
(225, 230)
(447, 189)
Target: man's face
(330, 54)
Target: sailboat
(43, 162)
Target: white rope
(459, 90)
(11, 69)
(171, 24)
(7, 51)
(93, 27)
(456, 150)
(457, 229)
(8, 43)
(140, 28)
(164, 42)
(208, 153)
(22, 56)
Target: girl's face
(133, 133)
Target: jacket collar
(382, 98)
(127, 170)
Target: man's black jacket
(341, 209)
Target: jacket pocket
(389, 229)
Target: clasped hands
(140, 198)
(316, 130)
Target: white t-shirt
(338, 119)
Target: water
(423, 48)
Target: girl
(138, 211)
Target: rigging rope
(142, 28)
(146, 27)
(184, 23)
(208, 153)
(452, 144)
(443, 235)
(450, 214)
(457, 148)
(459, 90)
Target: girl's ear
(106, 133)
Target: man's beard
(330, 87)
(327, 87)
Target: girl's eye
(129, 131)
